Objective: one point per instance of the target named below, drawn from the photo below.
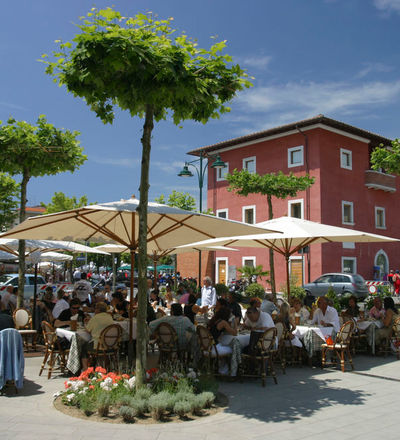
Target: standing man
(208, 293)
(83, 289)
(76, 275)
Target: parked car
(11, 279)
(342, 283)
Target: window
(295, 156)
(348, 245)
(249, 261)
(346, 160)
(249, 164)
(347, 213)
(295, 208)
(249, 214)
(222, 213)
(380, 222)
(349, 264)
(222, 172)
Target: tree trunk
(271, 252)
(141, 342)
(21, 244)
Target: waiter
(208, 293)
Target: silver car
(342, 283)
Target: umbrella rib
(96, 227)
(124, 225)
(271, 244)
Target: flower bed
(168, 394)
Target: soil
(220, 403)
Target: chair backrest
(396, 328)
(49, 334)
(267, 341)
(166, 336)
(21, 318)
(280, 330)
(345, 332)
(206, 341)
(110, 337)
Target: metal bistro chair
(167, 342)
(209, 353)
(341, 345)
(261, 362)
(23, 323)
(395, 338)
(107, 348)
(281, 352)
(53, 350)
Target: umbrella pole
(130, 342)
(287, 277)
(114, 271)
(155, 273)
(34, 298)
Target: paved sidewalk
(306, 403)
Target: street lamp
(201, 170)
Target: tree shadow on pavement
(30, 388)
(298, 398)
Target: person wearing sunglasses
(64, 319)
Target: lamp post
(201, 170)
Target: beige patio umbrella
(118, 223)
(296, 234)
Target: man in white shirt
(83, 289)
(258, 321)
(77, 275)
(325, 315)
(208, 293)
(61, 304)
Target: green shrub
(221, 289)
(255, 289)
(125, 400)
(87, 405)
(208, 398)
(182, 408)
(198, 403)
(103, 404)
(158, 404)
(331, 295)
(127, 414)
(143, 393)
(139, 406)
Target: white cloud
(119, 162)
(373, 68)
(168, 167)
(387, 5)
(318, 98)
(12, 106)
(258, 62)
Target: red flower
(91, 387)
(100, 370)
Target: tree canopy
(179, 200)
(9, 190)
(61, 202)
(387, 158)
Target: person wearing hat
(120, 305)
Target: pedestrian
(396, 282)
(390, 279)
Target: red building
(346, 193)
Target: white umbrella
(296, 234)
(54, 256)
(5, 256)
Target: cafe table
(313, 336)
(369, 326)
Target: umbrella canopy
(54, 256)
(5, 256)
(296, 234)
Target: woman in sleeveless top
(391, 314)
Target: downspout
(307, 213)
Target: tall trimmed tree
(32, 151)
(277, 185)
(9, 190)
(141, 65)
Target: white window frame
(252, 258)
(380, 208)
(343, 152)
(226, 210)
(344, 202)
(247, 159)
(295, 202)
(354, 259)
(217, 260)
(225, 170)
(297, 164)
(253, 207)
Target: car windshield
(5, 278)
(322, 279)
(358, 279)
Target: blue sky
(336, 57)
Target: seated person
(289, 325)
(377, 311)
(169, 298)
(155, 299)
(352, 310)
(64, 318)
(6, 320)
(234, 307)
(47, 303)
(121, 306)
(300, 311)
(255, 302)
(325, 315)
(256, 321)
(61, 304)
(268, 306)
(221, 325)
(95, 326)
(191, 308)
(180, 323)
(391, 313)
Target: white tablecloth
(67, 334)
(363, 325)
(322, 332)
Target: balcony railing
(378, 180)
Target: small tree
(9, 190)
(387, 158)
(61, 202)
(179, 200)
(138, 65)
(32, 151)
(277, 185)
(252, 273)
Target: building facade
(346, 193)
